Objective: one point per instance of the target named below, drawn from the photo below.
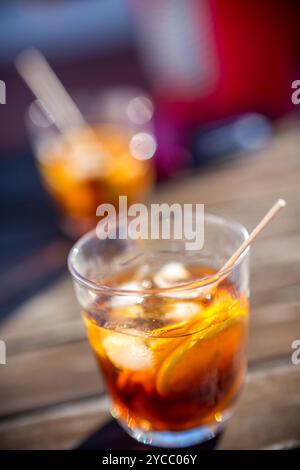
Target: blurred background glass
(218, 75)
(94, 164)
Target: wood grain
(68, 371)
(51, 395)
(48, 376)
(267, 415)
(53, 318)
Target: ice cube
(170, 274)
(127, 299)
(175, 273)
(127, 351)
(181, 311)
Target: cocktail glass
(95, 163)
(168, 333)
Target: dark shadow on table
(112, 437)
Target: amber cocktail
(169, 336)
(108, 156)
(88, 167)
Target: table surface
(51, 395)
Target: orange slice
(194, 360)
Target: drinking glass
(97, 162)
(167, 329)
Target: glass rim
(185, 286)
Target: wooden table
(51, 395)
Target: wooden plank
(54, 305)
(273, 328)
(282, 249)
(285, 318)
(273, 276)
(50, 320)
(60, 427)
(66, 372)
(267, 416)
(43, 338)
(249, 211)
(46, 260)
(282, 297)
(286, 294)
(48, 376)
(268, 413)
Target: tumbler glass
(167, 329)
(97, 162)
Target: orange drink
(168, 332)
(88, 167)
(181, 368)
